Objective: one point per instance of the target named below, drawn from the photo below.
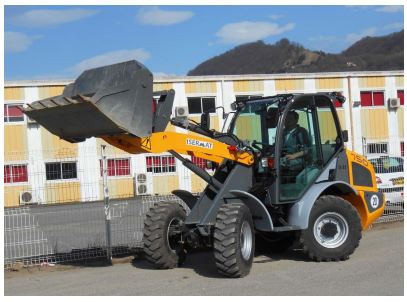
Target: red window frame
(400, 95)
(15, 173)
(371, 98)
(116, 167)
(12, 113)
(200, 162)
(161, 164)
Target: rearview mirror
(345, 136)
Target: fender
(261, 217)
(300, 211)
(186, 197)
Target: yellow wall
(162, 86)
(55, 148)
(49, 91)
(289, 84)
(197, 183)
(12, 194)
(214, 121)
(400, 121)
(118, 187)
(342, 119)
(329, 83)
(164, 184)
(60, 192)
(400, 81)
(247, 86)
(14, 93)
(371, 82)
(15, 142)
(200, 87)
(374, 123)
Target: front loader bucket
(108, 100)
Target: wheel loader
(280, 171)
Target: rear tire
(234, 240)
(334, 230)
(160, 247)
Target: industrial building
(41, 168)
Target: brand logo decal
(197, 143)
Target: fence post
(107, 206)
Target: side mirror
(233, 106)
(205, 120)
(345, 136)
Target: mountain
(367, 54)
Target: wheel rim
(246, 240)
(173, 239)
(331, 230)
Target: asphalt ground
(376, 268)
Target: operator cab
(293, 137)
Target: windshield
(257, 121)
(387, 164)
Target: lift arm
(183, 143)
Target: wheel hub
(174, 234)
(331, 230)
(246, 240)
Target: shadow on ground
(203, 262)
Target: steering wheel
(267, 148)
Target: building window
(372, 98)
(116, 167)
(400, 95)
(62, 170)
(197, 105)
(377, 148)
(160, 164)
(15, 173)
(246, 97)
(200, 162)
(13, 114)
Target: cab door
(304, 150)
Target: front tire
(161, 235)
(334, 230)
(234, 240)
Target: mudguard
(300, 211)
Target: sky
(59, 42)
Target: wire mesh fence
(36, 235)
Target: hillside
(369, 53)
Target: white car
(389, 177)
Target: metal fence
(36, 235)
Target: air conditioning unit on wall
(181, 111)
(27, 198)
(394, 103)
(143, 184)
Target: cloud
(112, 57)
(390, 9)
(50, 17)
(156, 16)
(17, 41)
(353, 37)
(244, 32)
(394, 26)
(276, 17)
